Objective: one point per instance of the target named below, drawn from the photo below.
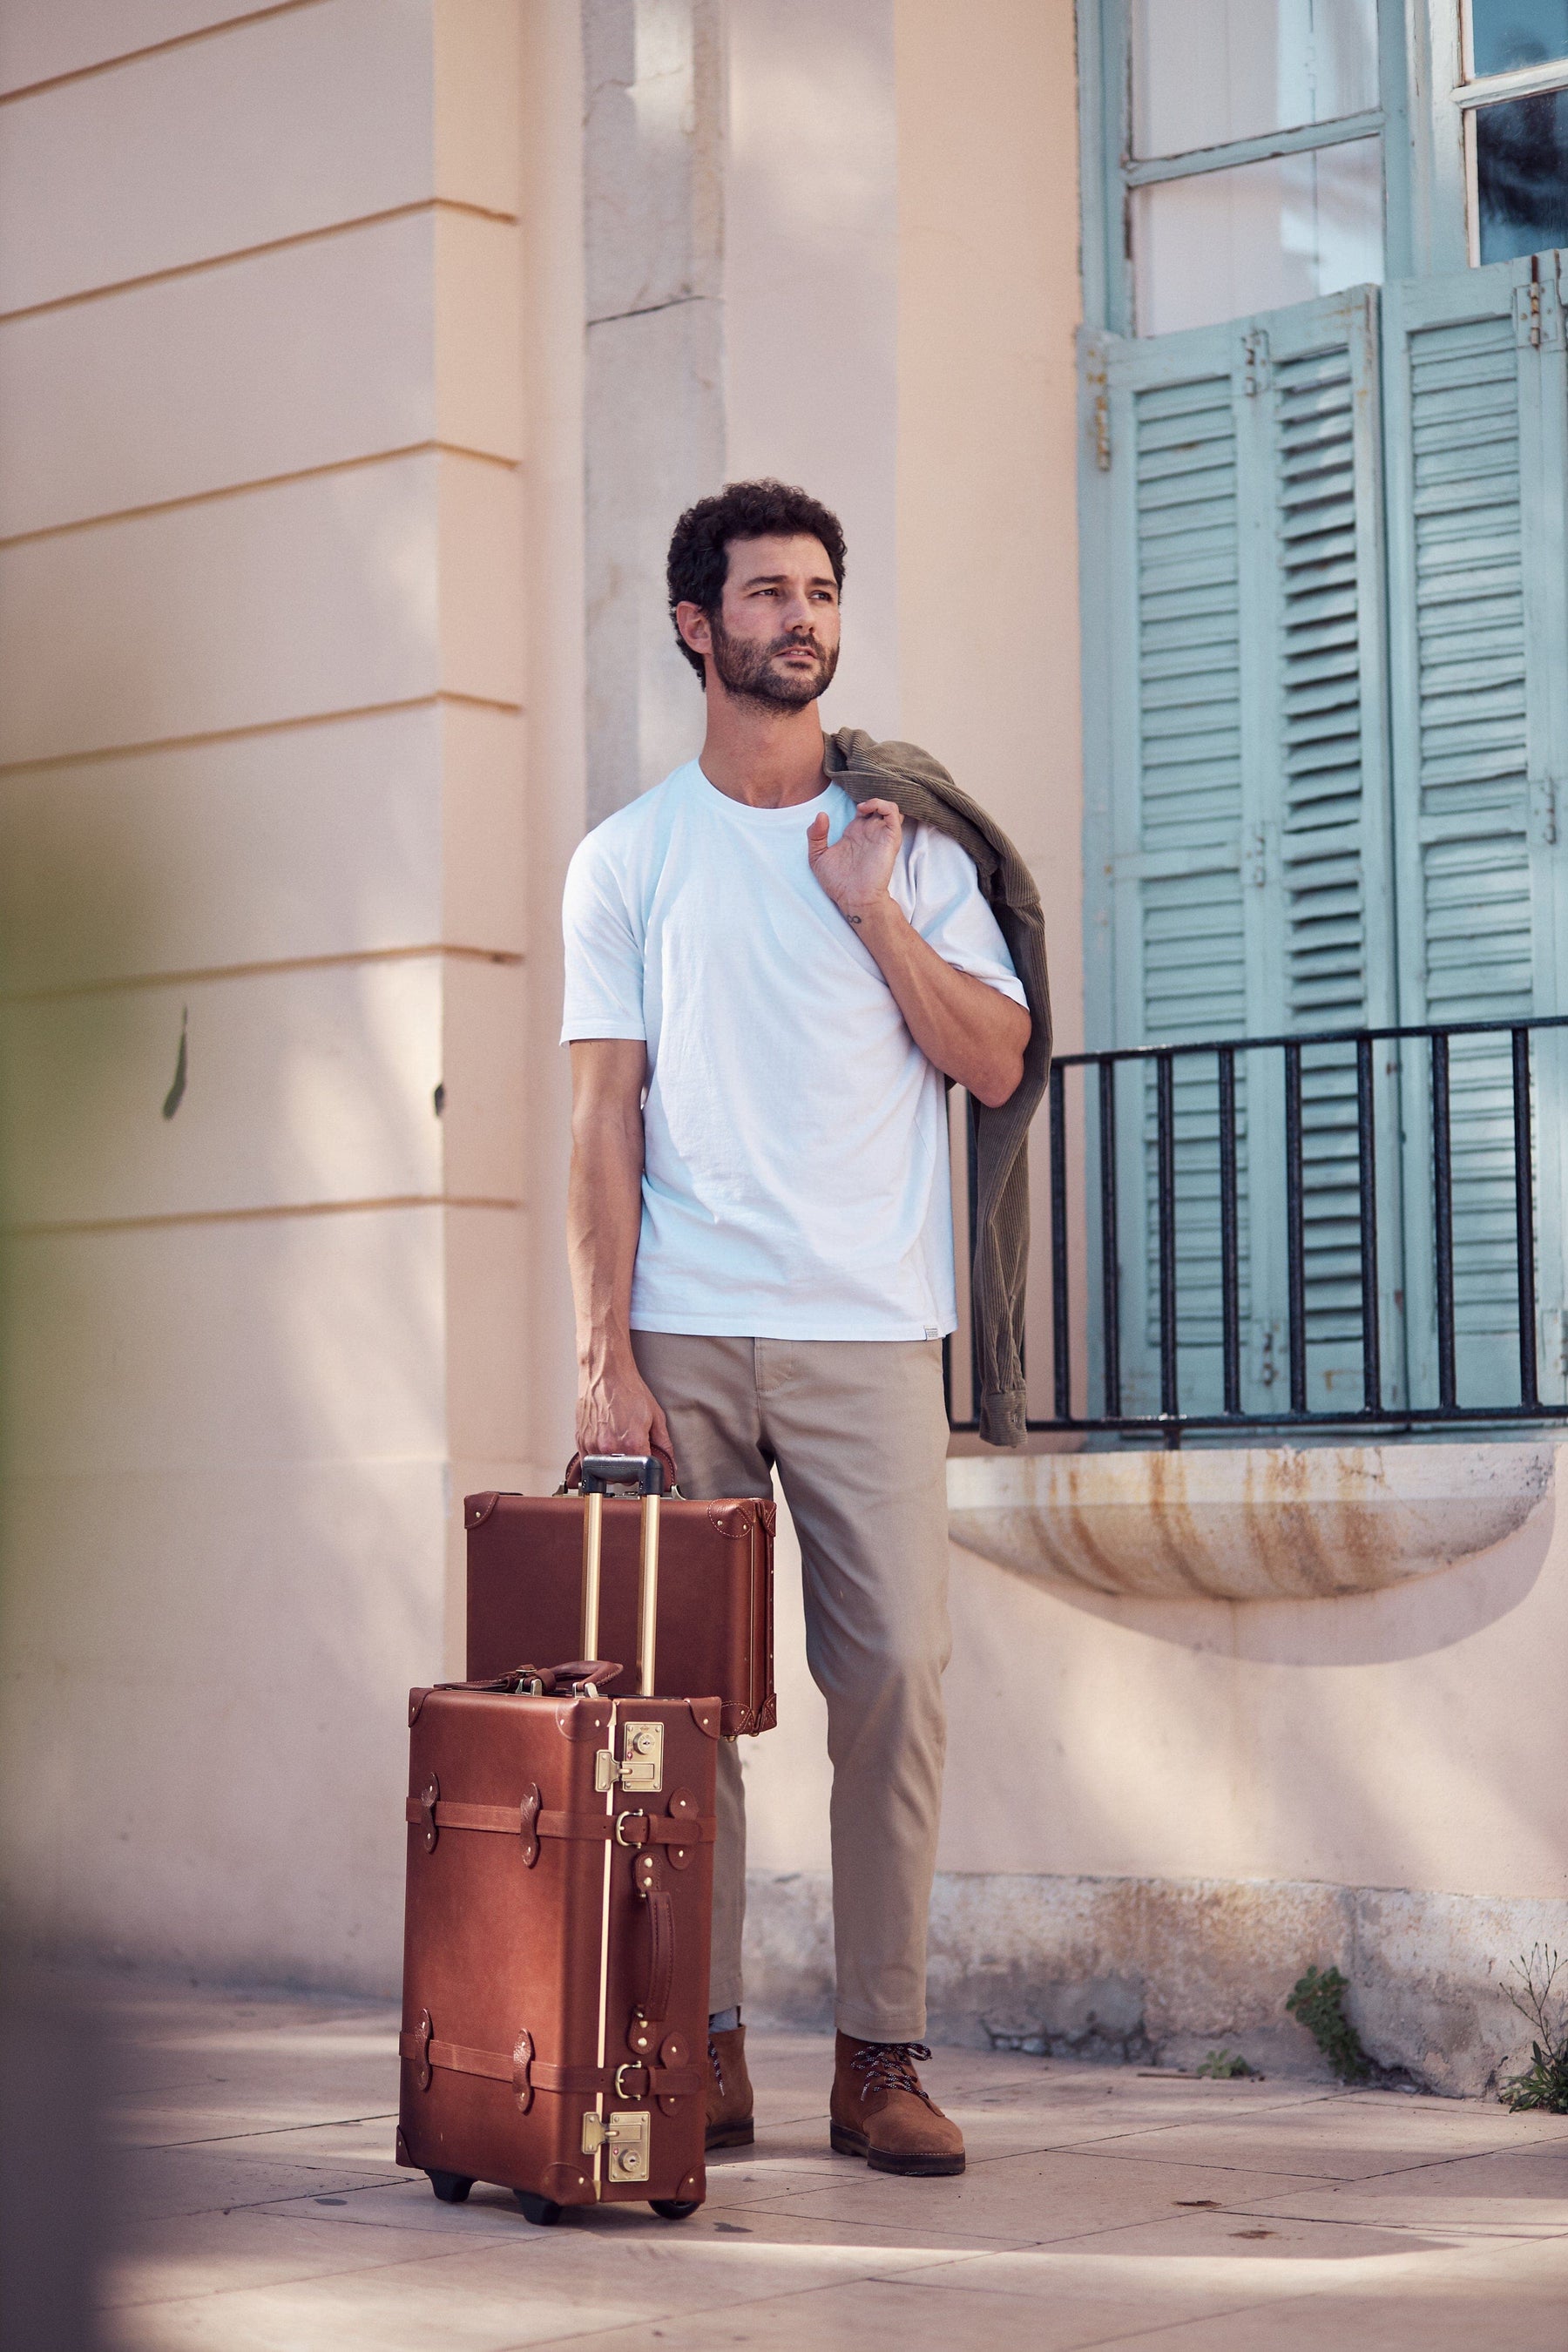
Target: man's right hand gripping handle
(618, 1413)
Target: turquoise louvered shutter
(1238, 833)
(1477, 401)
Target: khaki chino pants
(858, 1432)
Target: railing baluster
(1109, 1253)
(1442, 1222)
(1366, 1155)
(1229, 1232)
(1524, 1218)
(1165, 1157)
(1294, 1227)
(1062, 1322)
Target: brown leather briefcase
(557, 1922)
(715, 1592)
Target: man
(767, 984)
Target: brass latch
(626, 2138)
(641, 1768)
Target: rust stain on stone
(1260, 1523)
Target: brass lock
(625, 2139)
(641, 1765)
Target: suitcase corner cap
(477, 1508)
(708, 1715)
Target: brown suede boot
(878, 2110)
(728, 2090)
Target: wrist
(873, 918)
(605, 1354)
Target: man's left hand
(855, 871)
(968, 1029)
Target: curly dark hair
(700, 544)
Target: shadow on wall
(221, 1427)
(52, 2200)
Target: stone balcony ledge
(1254, 1523)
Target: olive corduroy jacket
(924, 794)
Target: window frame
(1413, 192)
(1468, 93)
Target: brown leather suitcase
(557, 1921)
(715, 1592)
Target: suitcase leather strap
(526, 2073)
(509, 1820)
(661, 1829)
(679, 1830)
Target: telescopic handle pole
(593, 1546)
(647, 1595)
(645, 1472)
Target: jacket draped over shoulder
(924, 794)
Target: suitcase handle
(650, 1474)
(597, 1472)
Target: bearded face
(785, 672)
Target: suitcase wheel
(673, 2208)
(451, 2187)
(544, 2212)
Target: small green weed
(1544, 2083)
(1225, 2066)
(1318, 2003)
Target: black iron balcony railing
(1371, 1224)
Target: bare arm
(616, 1412)
(970, 1030)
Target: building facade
(1196, 408)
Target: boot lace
(713, 2060)
(889, 2066)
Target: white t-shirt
(796, 1184)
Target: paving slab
(1511, 2193)
(1058, 2194)
(183, 2257)
(162, 2181)
(1348, 2137)
(892, 2315)
(1513, 2296)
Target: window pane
(1507, 34)
(1208, 70)
(1522, 175)
(1224, 244)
